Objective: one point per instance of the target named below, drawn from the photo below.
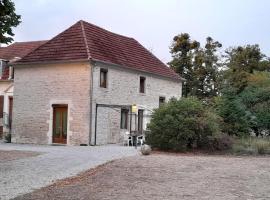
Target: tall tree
(8, 19)
(213, 66)
(243, 61)
(198, 65)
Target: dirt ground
(167, 176)
(14, 155)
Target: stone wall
(123, 89)
(37, 88)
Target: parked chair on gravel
(127, 139)
(140, 139)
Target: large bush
(182, 124)
(247, 110)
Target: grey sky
(152, 22)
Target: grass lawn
(167, 176)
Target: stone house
(9, 54)
(79, 88)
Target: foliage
(241, 62)
(256, 97)
(233, 112)
(247, 110)
(182, 124)
(199, 66)
(8, 138)
(8, 19)
(221, 142)
(251, 146)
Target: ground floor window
(124, 119)
(161, 101)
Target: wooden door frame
(54, 106)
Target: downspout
(96, 125)
(91, 100)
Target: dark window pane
(124, 119)
(142, 84)
(161, 101)
(103, 77)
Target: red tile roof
(19, 49)
(84, 41)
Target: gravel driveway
(170, 177)
(23, 175)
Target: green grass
(251, 146)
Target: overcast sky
(152, 22)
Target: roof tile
(87, 41)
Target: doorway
(60, 124)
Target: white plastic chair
(127, 139)
(140, 139)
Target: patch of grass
(251, 146)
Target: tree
(8, 19)
(212, 65)
(241, 62)
(246, 110)
(182, 50)
(233, 112)
(199, 66)
(256, 97)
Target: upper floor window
(124, 119)
(103, 77)
(142, 84)
(161, 101)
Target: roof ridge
(85, 40)
(28, 41)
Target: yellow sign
(134, 108)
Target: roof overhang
(137, 70)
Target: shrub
(8, 138)
(220, 143)
(182, 124)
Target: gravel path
(170, 177)
(14, 155)
(54, 162)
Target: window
(103, 77)
(161, 101)
(124, 119)
(142, 84)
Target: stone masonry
(37, 88)
(123, 89)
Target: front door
(60, 124)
